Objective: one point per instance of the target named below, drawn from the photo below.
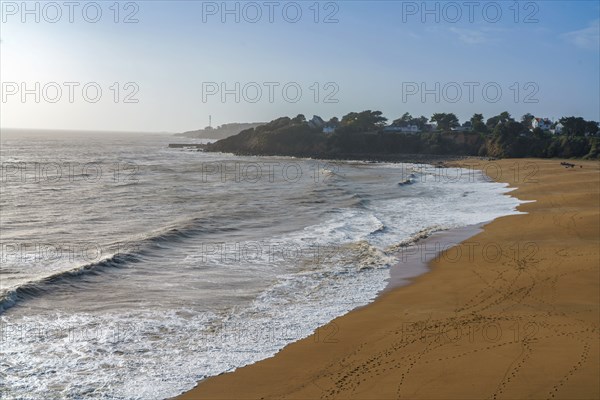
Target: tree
(437, 118)
(445, 121)
(275, 124)
(398, 122)
(501, 118)
(477, 123)
(492, 123)
(375, 118)
(364, 121)
(510, 129)
(404, 120)
(476, 118)
(407, 119)
(573, 126)
(527, 120)
(334, 121)
(300, 118)
(421, 122)
(349, 119)
(451, 121)
(591, 128)
(539, 133)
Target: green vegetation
(283, 136)
(445, 121)
(366, 121)
(362, 135)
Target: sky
(154, 66)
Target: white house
(557, 130)
(410, 129)
(543, 123)
(402, 129)
(466, 127)
(328, 129)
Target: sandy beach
(510, 313)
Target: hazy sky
(179, 57)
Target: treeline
(366, 135)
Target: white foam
(158, 354)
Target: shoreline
(408, 158)
(417, 256)
(379, 347)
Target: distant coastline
(220, 132)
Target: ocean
(132, 270)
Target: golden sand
(510, 313)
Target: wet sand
(512, 312)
